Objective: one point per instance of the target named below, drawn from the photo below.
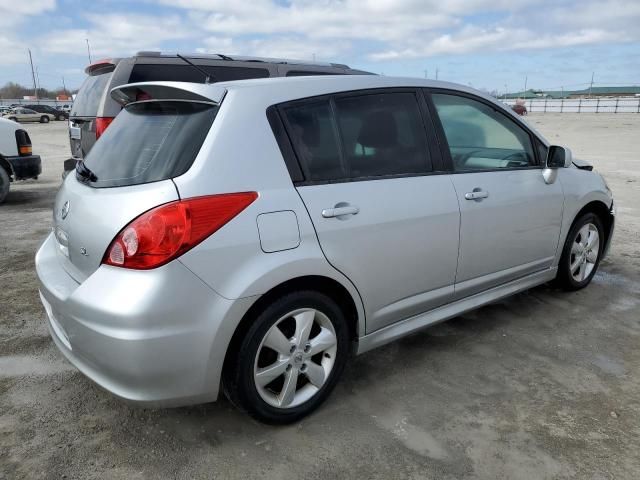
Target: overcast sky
(486, 43)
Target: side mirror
(558, 157)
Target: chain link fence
(581, 105)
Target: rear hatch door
(128, 172)
(82, 119)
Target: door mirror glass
(558, 157)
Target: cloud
(498, 39)
(118, 34)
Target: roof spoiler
(177, 91)
(104, 64)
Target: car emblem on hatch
(65, 210)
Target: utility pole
(88, 50)
(426, 74)
(525, 83)
(38, 78)
(437, 73)
(591, 84)
(64, 87)
(33, 75)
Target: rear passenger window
(361, 136)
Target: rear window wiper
(207, 76)
(85, 172)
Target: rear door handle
(476, 194)
(340, 211)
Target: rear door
(384, 213)
(510, 218)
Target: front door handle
(477, 194)
(340, 211)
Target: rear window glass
(149, 142)
(187, 73)
(88, 99)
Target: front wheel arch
(602, 211)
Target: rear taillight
(166, 232)
(101, 125)
(24, 143)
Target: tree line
(15, 90)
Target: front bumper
(155, 337)
(25, 167)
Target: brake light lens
(168, 231)
(101, 125)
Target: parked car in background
(65, 108)
(93, 109)
(520, 107)
(58, 114)
(22, 114)
(4, 109)
(17, 161)
(189, 257)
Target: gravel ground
(542, 385)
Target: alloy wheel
(584, 252)
(295, 358)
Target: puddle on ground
(608, 365)
(413, 437)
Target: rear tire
(44, 119)
(60, 118)
(290, 359)
(581, 253)
(4, 184)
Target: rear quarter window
(187, 73)
(88, 99)
(150, 142)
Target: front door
(510, 218)
(382, 215)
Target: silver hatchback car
(249, 236)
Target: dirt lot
(543, 385)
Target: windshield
(88, 99)
(149, 142)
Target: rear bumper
(25, 167)
(156, 337)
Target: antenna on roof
(207, 77)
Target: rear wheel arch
(328, 286)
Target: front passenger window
(480, 138)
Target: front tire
(581, 253)
(44, 119)
(290, 358)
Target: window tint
(379, 134)
(187, 73)
(382, 134)
(480, 138)
(300, 73)
(312, 131)
(150, 141)
(88, 99)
